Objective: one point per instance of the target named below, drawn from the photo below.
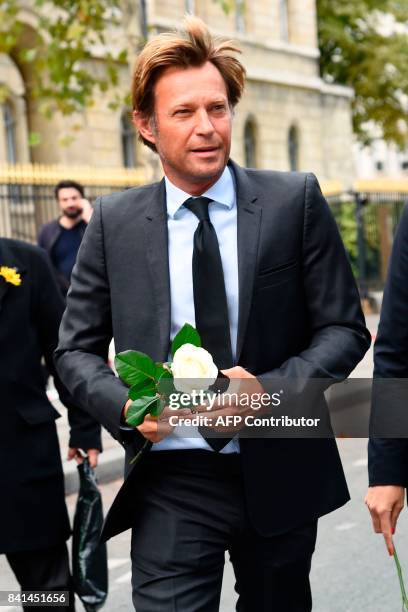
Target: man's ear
(144, 126)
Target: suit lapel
(155, 226)
(249, 215)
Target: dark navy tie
(210, 299)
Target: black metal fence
(367, 222)
(24, 208)
(27, 198)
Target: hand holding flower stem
(150, 383)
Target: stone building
(288, 119)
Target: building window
(10, 133)
(379, 165)
(284, 19)
(239, 15)
(128, 137)
(189, 6)
(293, 149)
(250, 143)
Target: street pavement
(351, 569)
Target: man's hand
(92, 454)
(385, 504)
(87, 210)
(158, 428)
(245, 383)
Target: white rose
(190, 363)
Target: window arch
(10, 132)
(250, 143)
(128, 139)
(293, 148)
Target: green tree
(62, 55)
(364, 45)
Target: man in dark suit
(388, 455)
(34, 522)
(278, 300)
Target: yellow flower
(11, 275)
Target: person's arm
(85, 431)
(86, 332)
(388, 457)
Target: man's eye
(182, 111)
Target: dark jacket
(299, 318)
(32, 513)
(387, 455)
(47, 238)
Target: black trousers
(190, 509)
(44, 570)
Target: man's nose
(204, 125)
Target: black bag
(89, 557)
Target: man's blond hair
(193, 45)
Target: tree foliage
(67, 38)
(364, 45)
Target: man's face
(69, 200)
(191, 127)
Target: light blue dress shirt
(182, 224)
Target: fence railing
(27, 193)
(367, 216)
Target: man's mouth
(205, 150)
(72, 212)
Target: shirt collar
(222, 192)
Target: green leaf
(133, 367)
(34, 139)
(144, 388)
(187, 335)
(157, 409)
(28, 55)
(135, 415)
(162, 370)
(165, 385)
(140, 408)
(122, 57)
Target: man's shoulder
(294, 179)
(265, 179)
(134, 195)
(23, 250)
(54, 223)
(47, 231)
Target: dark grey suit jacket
(299, 317)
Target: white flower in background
(190, 363)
